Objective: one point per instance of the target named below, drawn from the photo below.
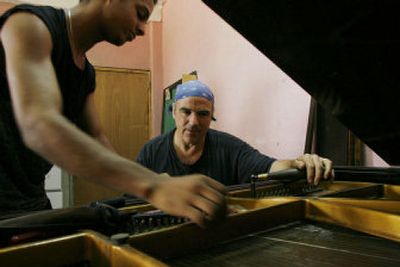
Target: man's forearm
(105, 142)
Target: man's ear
(212, 114)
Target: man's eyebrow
(185, 109)
(197, 111)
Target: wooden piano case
(335, 224)
(86, 249)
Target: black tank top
(22, 172)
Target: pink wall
(372, 159)
(4, 6)
(255, 100)
(156, 67)
(143, 53)
(133, 55)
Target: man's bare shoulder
(27, 30)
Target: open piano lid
(345, 54)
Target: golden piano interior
(334, 224)
(352, 221)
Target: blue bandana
(193, 88)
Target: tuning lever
(284, 175)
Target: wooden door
(123, 103)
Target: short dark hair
(155, 1)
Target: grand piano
(345, 55)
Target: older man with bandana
(192, 147)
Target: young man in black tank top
(44, 65)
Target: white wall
(372, 159)
(53, 187)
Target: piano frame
(342, 206)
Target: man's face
(192, 117)
(126, 19)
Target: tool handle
(284, 175)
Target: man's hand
(197, 197)
(317, 167)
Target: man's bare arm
(37, 103)
(93, 124)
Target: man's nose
(139, 31)
(193, 119)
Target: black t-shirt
(22, 172)
(225, 158)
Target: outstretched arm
(37, 103)
(317, 167)
(93, 123)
